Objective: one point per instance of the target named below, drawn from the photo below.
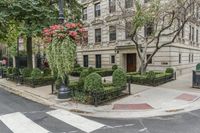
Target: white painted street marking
(19, 123)
(77, 121)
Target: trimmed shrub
(74, 85)
(26, 72)
(77, 71)
(36, 73)
(119, 78)
(169, 70)
(91, 69)
(114, 67)
(198, 67)
(151, 75)
(83, 75)
(93, 83)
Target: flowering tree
(61, 49)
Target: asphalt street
(18, 115)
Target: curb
(27, 95)
(39, 99)
(103, 113)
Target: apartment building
(108, 42)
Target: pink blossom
(55, 27)
(73, 34)
(70, 25)
(81, 30)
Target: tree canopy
(28, 18)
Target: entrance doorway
(131, 62)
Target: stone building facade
(108, 44)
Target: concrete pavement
(171, 98)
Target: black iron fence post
(52, 88)
(193, 78)
(129, 87)
(95, 99)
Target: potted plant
(61, 49)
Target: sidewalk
(171, 98)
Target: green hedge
(40, 81)
(169, 70)
(150, 78)
(36, 73)
(101, 71)
(26, 72)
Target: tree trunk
(142, 69)
(29, 52)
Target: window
(97, 35)
(85, 60)
(192, 57)
(148, 29)
(128, 27)
(112, 6)
(84, 13)
(189, 57)
(192, 33)
(112, 59)
(197, 36)
(128, 3)
(197, 12)
(148, 56)
(179, 58)
(97, 10)
(112, 32)
(98, 61)
(182, 30)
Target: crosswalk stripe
(77, 121)
(19, 123)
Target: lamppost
(64, 91)
(61, 12)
